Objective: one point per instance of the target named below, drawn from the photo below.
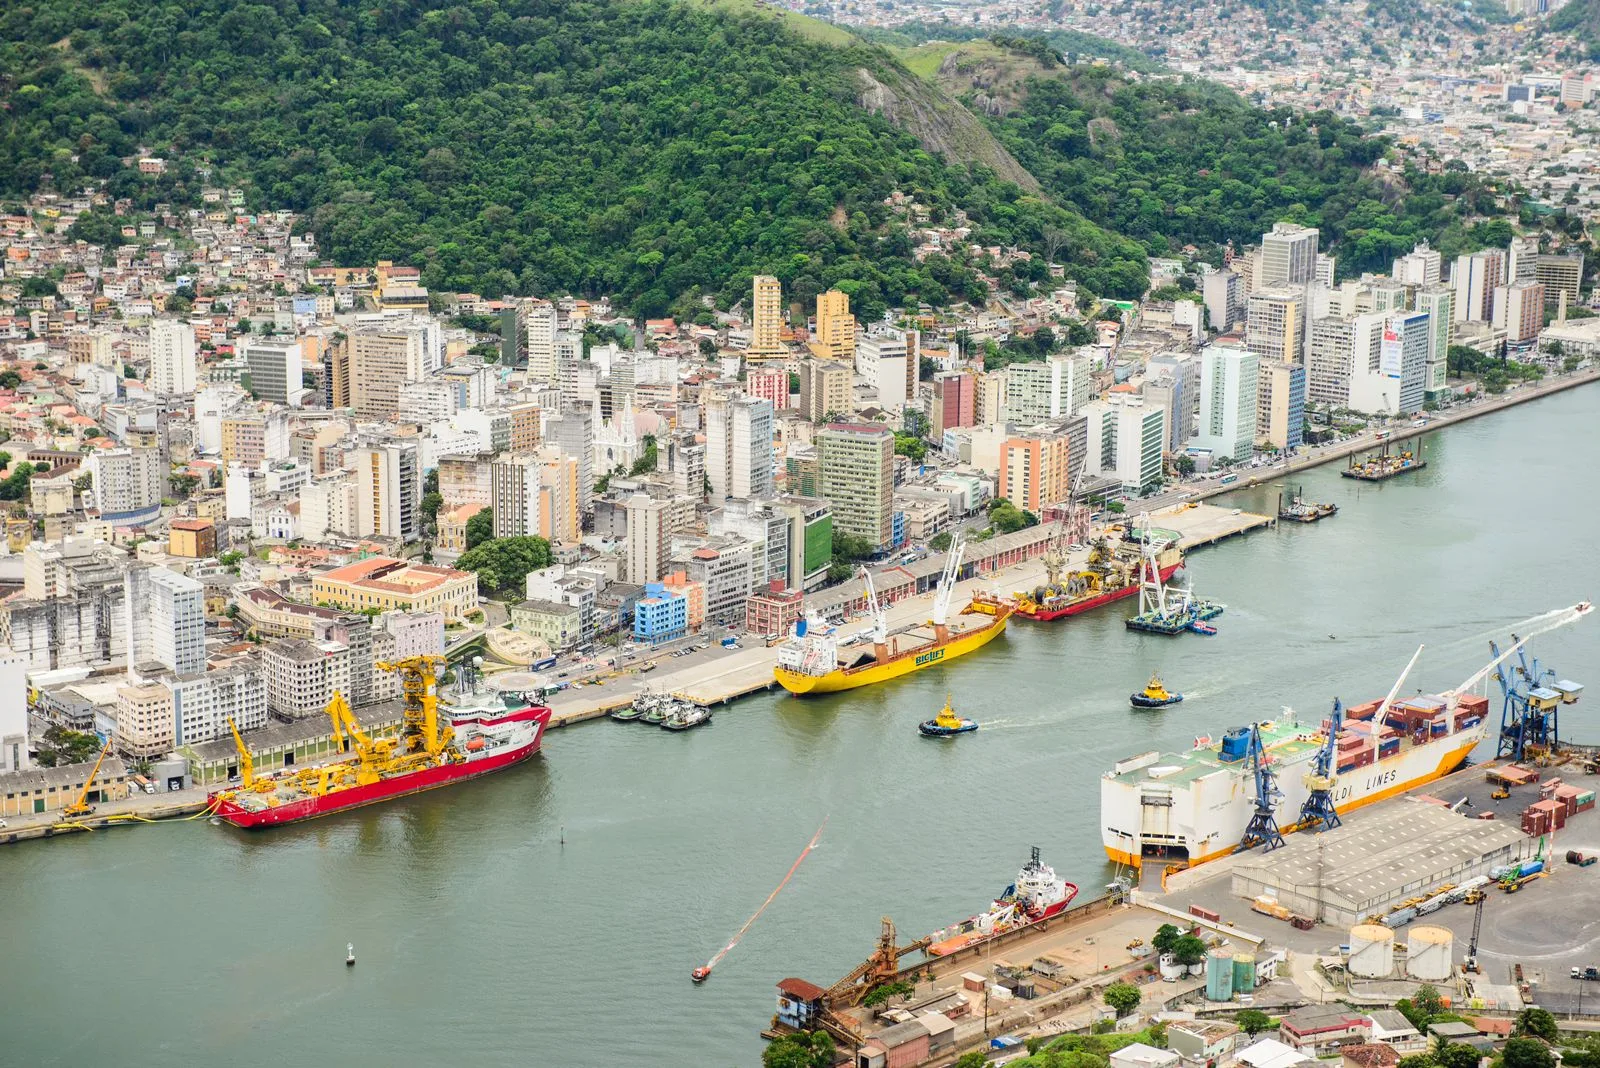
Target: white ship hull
(1178, 814)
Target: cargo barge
(1386, 465)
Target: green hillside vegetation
(910, 37)
(649, 149)
(1173, 161)
(1580, 17)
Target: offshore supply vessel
(1220, 796)
(1037, 894)
(439, 743)
(815, 661)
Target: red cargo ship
(1083, 591)
(438, 745)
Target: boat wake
(702, 973)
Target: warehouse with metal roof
(1367, 866)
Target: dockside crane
(81, 806)
(1471, 962)
(1318, 809)
(1263, 827)
(1532, 697)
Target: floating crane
(247, 764)
(1318, 809)
(81, 806)
(1263, 826)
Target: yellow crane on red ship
(420, 734)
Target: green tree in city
(1122, 998)
(1457, 1055)
(59, 746)
(809, 1049)
(10, 379)
(502, 564)
(646, 462)
(1253, 1021)
(431, 503)
(1189, 950)
(940, 542)
(1527, 1053)
(1428, 1001)
(1537, 1023)
(480, 528)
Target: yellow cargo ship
(815, 666)
(814, 661)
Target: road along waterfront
(527, 950)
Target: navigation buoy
(350, 955)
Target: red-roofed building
(389, 585)
(799, 1003)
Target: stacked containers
(1360, 712)
(1585, 800)
(1470, 711)
(1568, 796)
(1542, 817)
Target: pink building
(769, 384)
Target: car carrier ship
(1203, 804)
(439, 744)
(815, 661)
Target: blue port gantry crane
(1263, 826)
(1318, 809)
(1533, 696)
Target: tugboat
(627, 714)
(1200, 626)
(700, 974)
(946, 724)
(658, 712)
(685, 717)
(1155, 695)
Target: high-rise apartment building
(1037, 391)
(1281, 404)
(884, 359)
(1519, 311)
(1522, 259)
(388, 481)
(1288, 256)
(649, 538)
(1127, 441)
(954, 401)
(770, 384)
(1178, 375)
(381, 358)
(1276, 324)
(275, 367)
(514, 495)
(766, 318)
(128, 483)
(1229, 378)
(1560, 274)
(1035, 470)
(739, 455)
(1475, 278)
(173, 368)
(1436, 302)
(572, 433)
(177, 621)
(1224, 294)
(825, 390)
(1338, 345)
(856, 476)
(836, 327)
(542, 342)
(1422, 266)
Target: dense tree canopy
(651, 150)
(503, 563)
(1179, 161)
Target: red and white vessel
(1038, 894)
(439, 744)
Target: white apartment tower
(173, 369)
(177, 622)
(1229, 379)
(649, 538)
(542, 343)
(1421, 266)
(739, 456)
(388, 490)
(1288, 256)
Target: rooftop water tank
(1371, 951)
(1428, 953)
(1219, 975)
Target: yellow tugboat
(946, 724)
(1155, 695)
(814, 662)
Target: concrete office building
(739, 454)
(1338, 345)
(884, 359)
(1475, 278)
(381, 358)
(1276, 324)
(1224, 294)
(572, 432)
(1422, 266)
(1519, 311)
(954, 401)
(1035, 470)
(1178, 374)
(275, 368)
(825, 391)
(1437, 303)
(649, 539)
(1127, 439)
(1560, 274)
(388, 480)
(1281, 404)
(127, 483)
(541, 327)
(177, 621)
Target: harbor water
(484, 939)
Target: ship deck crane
(81, 806)
(1319, 809)
(947, 586)
(1263, 826)
(880, 618)
(420, 733)
(247, 765)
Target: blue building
(897, 529)
(660, 615)
(1297, 407)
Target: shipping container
(1204, 914)
(1362, 711)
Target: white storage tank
(1429, 953)
(1371, 951)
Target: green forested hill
(642, 148)
(1173, 161)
